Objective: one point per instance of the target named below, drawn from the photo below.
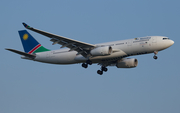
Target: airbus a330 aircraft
(105, 54)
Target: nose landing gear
(155, 57)
(155, 53)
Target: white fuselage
(121, 49)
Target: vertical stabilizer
(30, 44)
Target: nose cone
(171, 42)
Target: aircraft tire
(155, 57)
(100, 72)
(104, 69)
(84, 65)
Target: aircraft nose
(171, 42)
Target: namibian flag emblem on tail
(30, 44)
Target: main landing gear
(89, 62)
(103, 68)
(85, 65)
(155, 53)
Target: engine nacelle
(127, 63)
(101, 51)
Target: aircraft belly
(66, 58)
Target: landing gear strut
(103, 68)
(89, 62)
(155, 53)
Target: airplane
(104, 54)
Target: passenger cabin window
(165, 38)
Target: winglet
(25, 25)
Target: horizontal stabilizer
(22, 53)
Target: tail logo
(25, 36)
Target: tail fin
(30, 44)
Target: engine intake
(127, 63)
(101, 51)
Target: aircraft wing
(81, 47)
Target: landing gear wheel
(84, 65)
(89, 62)
(155, 57)
(155, 53)
(104, 69)
(100, 72)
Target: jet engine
(101, 51)
(127, 63)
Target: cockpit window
(165, 38)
